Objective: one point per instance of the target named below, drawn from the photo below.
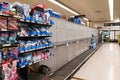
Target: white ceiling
(87, 7)
(117, 9)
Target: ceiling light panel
(111, 7)
(64, 7)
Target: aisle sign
(112, 24)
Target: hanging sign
(112, 24)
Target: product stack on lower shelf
(24, 38)
(93, 43)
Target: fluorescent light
(85, 19)
(64, 7)
(111, 5)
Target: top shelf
(26, 21)
(33, 23)
(8, 45)
(11, 16)
(5, 30)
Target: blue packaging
(20, 61)
(4, 6)
(5, 54)
(13, 52)
(52, 22)
(29, 58)
(26, 11)
(12, 38)
(4, 37)
(25, 62)
(37, 31)
(27, 45)
(50, 12)
(42, 32)
(31, 32)
(21, 46)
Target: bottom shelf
(34, 62)
(32, 72)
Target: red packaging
(12, 24)
(3, 23)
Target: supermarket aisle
(103, 65)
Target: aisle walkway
(103, 65)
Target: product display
(34, 45)
(35, 14)
(34, 57)
(93, 44)
(9, 54)
(3, 22)
(8, 37)
(12, 37)
(4, 37)
(26, 11)
(9, 71)
(41, 55)
(24, 60)
(54, 14)
(5, 54)
(75, 20)
(32, 42)
(5, 7)
(27, 45)
(12, 24)
(33, 31)
(9, 61)
(13, 53)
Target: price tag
(6, 45)
(3, 29)
(30, 63)
(32, 21)
(21, 20)
(22, 66)
(21, 51)
(27, 20)
(32, 35)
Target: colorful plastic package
(12, 37)
(13, 52)
(12, 24)
(4, 37)
(3, 23)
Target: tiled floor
(103, 65)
